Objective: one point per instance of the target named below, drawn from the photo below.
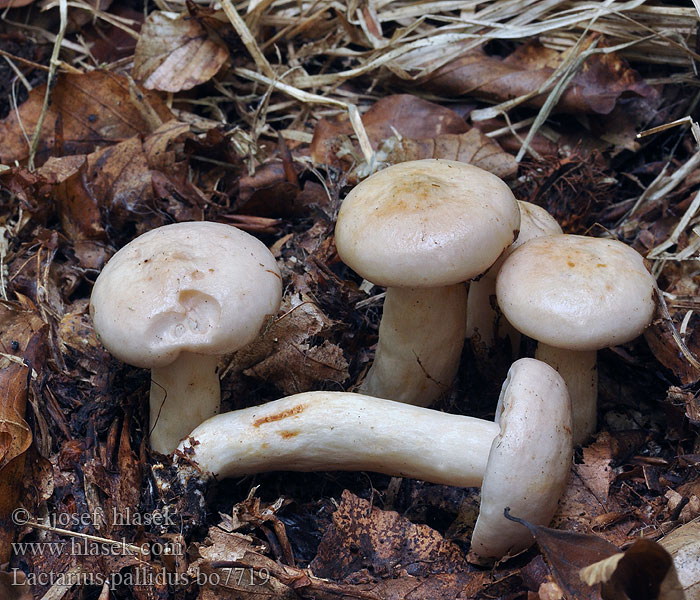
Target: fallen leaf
(286, 354)
(176, 54)
(157, 146)
(645, 571)
(96, 109)
(595, 472)
(472, 147)
(120, 180)
(587, 502)
(363, 538)
(15, 439)
(597, 86)
(14, 585)
(567, 553)
(665, 348)
(19, 321)
(407, 115)
(683, 544)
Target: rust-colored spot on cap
(290, 412)
(288, 434)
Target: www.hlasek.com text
(85, 547)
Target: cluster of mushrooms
(196, 291)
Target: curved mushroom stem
(183, 394)
(522, 460)
(578, 368)
(327, 431)
(421, 335)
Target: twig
(53, 66)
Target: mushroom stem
(183, 394)
(485, 320)
(481, 317)
(327, 431)
(579, 371)
(420, 343)
(522, 460)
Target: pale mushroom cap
(530, 458)
(426, 223)
(535, 222)
(198, 287)
(576, 292)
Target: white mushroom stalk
(576, 295)
(522, 460)
(174, 300)
(420, 228)
(417, 363)
(483, 323)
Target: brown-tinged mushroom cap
(576, 292)
(426, 223)
(197, 287)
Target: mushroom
(482, 320)
(575, 295)
(422, 228)
(174, 300)
(522, 460)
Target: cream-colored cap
(535, 222)
(576, 292)
(529, 461)
(426, 223)
(197, 287)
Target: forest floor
(263, 115)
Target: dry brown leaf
(75, 330)
(120, 180)
(661, 342)
(586, 502)
(472, 147)
(286, 356)
(683, 544)
(595, 472)
(645, 571)
(597, 86)
(95, 109)
(19, 321)
(365, 539)
(14, 586)
(15, 439)
(156, 146)
(407, 115)
(567, 553)
(404, 127)
(176, 54)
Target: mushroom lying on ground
(575, 295)
(522, 460)
(422, 228)
(174, 300)
(482, 320)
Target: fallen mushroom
(174, 300)
(521, 460)
(482, 320)
(422, 228)
(575, 295)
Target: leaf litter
(262, 115)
